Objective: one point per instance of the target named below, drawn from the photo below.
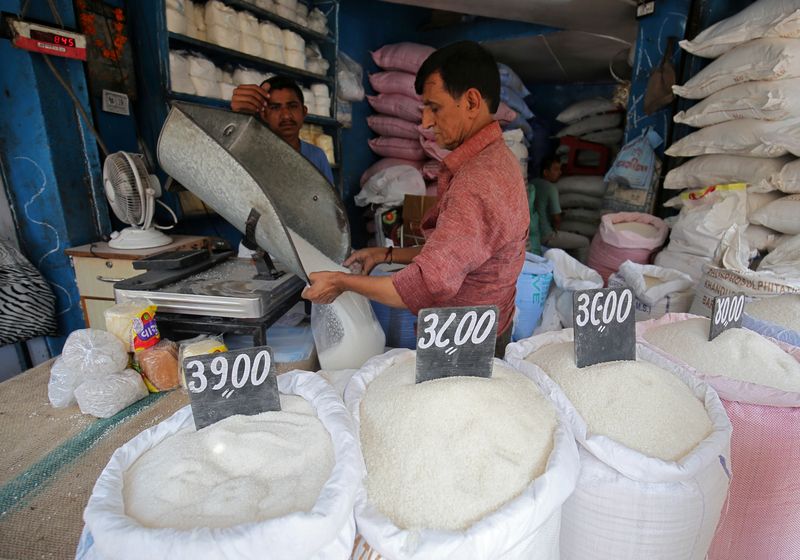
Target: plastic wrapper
(134, 323)
(94, 352)
(62, 384)
(159, 366)
(198, 346)
(346, 332)
(350, 77)
(104, 396)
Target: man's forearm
(376, 288)
(404, 255)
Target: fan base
(135, 238)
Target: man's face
(553, 173)
(284, 114)
(447, 116)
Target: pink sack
(386, 163)
(428, 141)
(430, 171)
(405, 57)
(384, 125)
(397, 105)
(761, 517)
(394, 82)
(505, 114)
(625, 236)
(390, 147)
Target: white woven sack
(576, 200)
(782, 215)
(788, 178)
(583, 215)
(784, 260)
(764, 18)
(761, 238)
(569, 275)
(591, 124)
(761, 59)
(586, 108)
(525, 527)
(628, 505)
(691, 265)
(745, 137)
(581, 228)
(326, 532)
(760, 174)
(673, 294)
(592, 185)
(608, 137)
(767, 100)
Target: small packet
(134, 323)
(198, 346)
(159, 366)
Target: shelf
(224, 104)
(280, 21)
(182, 41)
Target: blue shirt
(318, 158)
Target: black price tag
(605, 328)
(726, 314)
(229, 383)
(456, 341)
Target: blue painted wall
(50, 163)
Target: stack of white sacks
(517, 134)
(401, 139)
(242, 31)
(596, 120)
(749, 121)
(581, 200)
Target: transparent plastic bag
(159, 366)
(198, 346)
(346, 332)
(62, 384)
(94, 352)
(351, 78)
(104, 396)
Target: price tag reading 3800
(726, 313)
(456, 341)
(604, 326)
(230, 383)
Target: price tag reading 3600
(726, 314)
(604, 326)
(229, 383)
(455, 341)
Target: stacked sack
(596, 120)
(581, 198)
(749, 121)
(518, 132)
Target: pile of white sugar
(736, 353)
(781, 310)
(635, 403)
(239, 470)
(445, 453)
(645, 230)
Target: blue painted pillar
(50, 163)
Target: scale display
(46, 40)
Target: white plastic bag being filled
(628, 505)
(525, 528)
(391, 185)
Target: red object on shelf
(576, 145)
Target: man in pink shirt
(475, 236)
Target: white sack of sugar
(628, 504)
(324, 530)
(777, 317)
(483, 460)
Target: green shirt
(534, 241)
(546, 204)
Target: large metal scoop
(255, 180)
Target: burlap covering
(50, 459)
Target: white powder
(782, 310)
(353, 334)
(239, 470)
(445, 453)
(636, 403)
(645, 230)
(736, 353)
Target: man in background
(548, 210)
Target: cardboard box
(414, 208)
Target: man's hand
(367, 259)
(324, 287)
(250, 98)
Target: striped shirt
(475, 235)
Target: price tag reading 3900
(229, 383)
(726, 313)
(604, 323)
(453, 341)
